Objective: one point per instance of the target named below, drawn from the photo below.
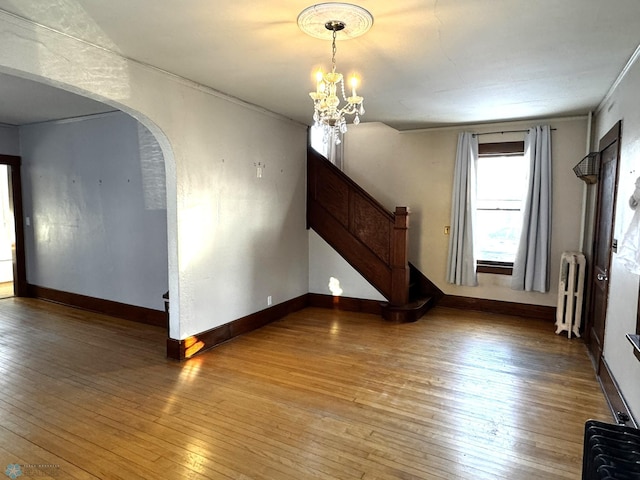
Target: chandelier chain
(333, 50)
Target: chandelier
(331, 105)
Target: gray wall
(89, 230)
(9, 141)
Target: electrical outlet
(269, 300)
(447, 230)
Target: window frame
(498, 149)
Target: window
(321, 141)
(501, 185)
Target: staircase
(371, 239)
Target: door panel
(608, 180)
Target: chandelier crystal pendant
(326, 102)
(331, 105)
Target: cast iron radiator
(610, 452)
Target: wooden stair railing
(371, 239)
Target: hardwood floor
(6, 290)
(319, 394)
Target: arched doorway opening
(95, 221)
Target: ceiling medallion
(357, 20)
(324, 21)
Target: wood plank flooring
(6, 290)
(317, 395)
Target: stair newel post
(399, 259)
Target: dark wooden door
(603, 238)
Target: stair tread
(411, 305)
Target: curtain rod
(506, 131)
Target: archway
(152, 155)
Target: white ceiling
(24, 101)
(423, 63)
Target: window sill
(496, 268)
(635, 341)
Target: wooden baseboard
(498, 306)
(188, 347)
(617, 403)
(347, 304)
(108, 307)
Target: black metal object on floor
(610, 452)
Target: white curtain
(461, 264)
(531, 266)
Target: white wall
(326, 264)
(233, 239)
(89, 229)
(623, 104)
(415, 169)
